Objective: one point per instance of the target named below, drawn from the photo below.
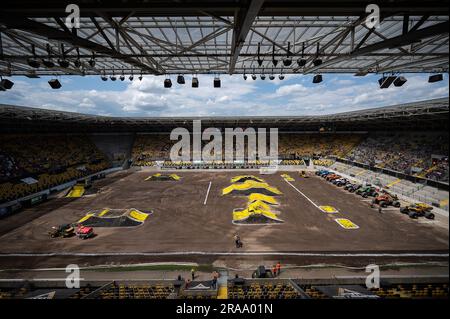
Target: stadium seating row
(50, 160)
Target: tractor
(303, 174)
(386, 199)
(366, 191)
(84, 232)
(418, 210)
(64, 231)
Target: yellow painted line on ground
(394, 183)
(104, 212)
(329, 209)
(85, 218)
(346, 223)
(222, 293)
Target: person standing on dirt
(237, 240)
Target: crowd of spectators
(409, 153)
(50, 160)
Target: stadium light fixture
(254, 77)
(104, 77)
(63, 61)
(274, 61)
(435, 78)
(271, 76)
(5, 84)
(281, 76)
(317, 61)
(195, 82)
(141, 76)
(48, 62)
(263, 76)
(288, 60)
(386, 81)
(167, 83)
(131, 77)
(92, 60)
(181, 80)
(217, 82)
(77, 62)
(260, 60)
(122, 76)
(33, 62)
(245, 75)
(400, 81)
(302, 62)
(317, 78)
(55, 84)
(113, 76)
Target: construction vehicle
(84, 232)
(386, 199)
(418, 210)
(366, 191)
(64, 231)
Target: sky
(295, 96)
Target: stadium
(347, 191)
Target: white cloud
(294, 96)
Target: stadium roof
(421, 116)
(217, 37)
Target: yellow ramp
(262, 198)
(76, 191)
(238, 179)
(250, 185)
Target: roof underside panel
(178, 37)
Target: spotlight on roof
(317, 78)
(254, 77)
(62, 61)
(33, 62)
(302, 62)
(400, 81)
(113, 77)
(288, 60)
(77, 62)
(281, 77)
(6, 84)
(131, 77)
(122, 77)
(271, 77)
(435, 78)
(317, 61)
(104, 78)
(263, 77)
(217, 82)
(195, 83)
(48, 63)
(180, 79)
(245, 77)
(141, 77)
(167, 83)
(55, 84)
(386, 81)
(92, 60)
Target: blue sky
(295, 96)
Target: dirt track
(182, 223)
